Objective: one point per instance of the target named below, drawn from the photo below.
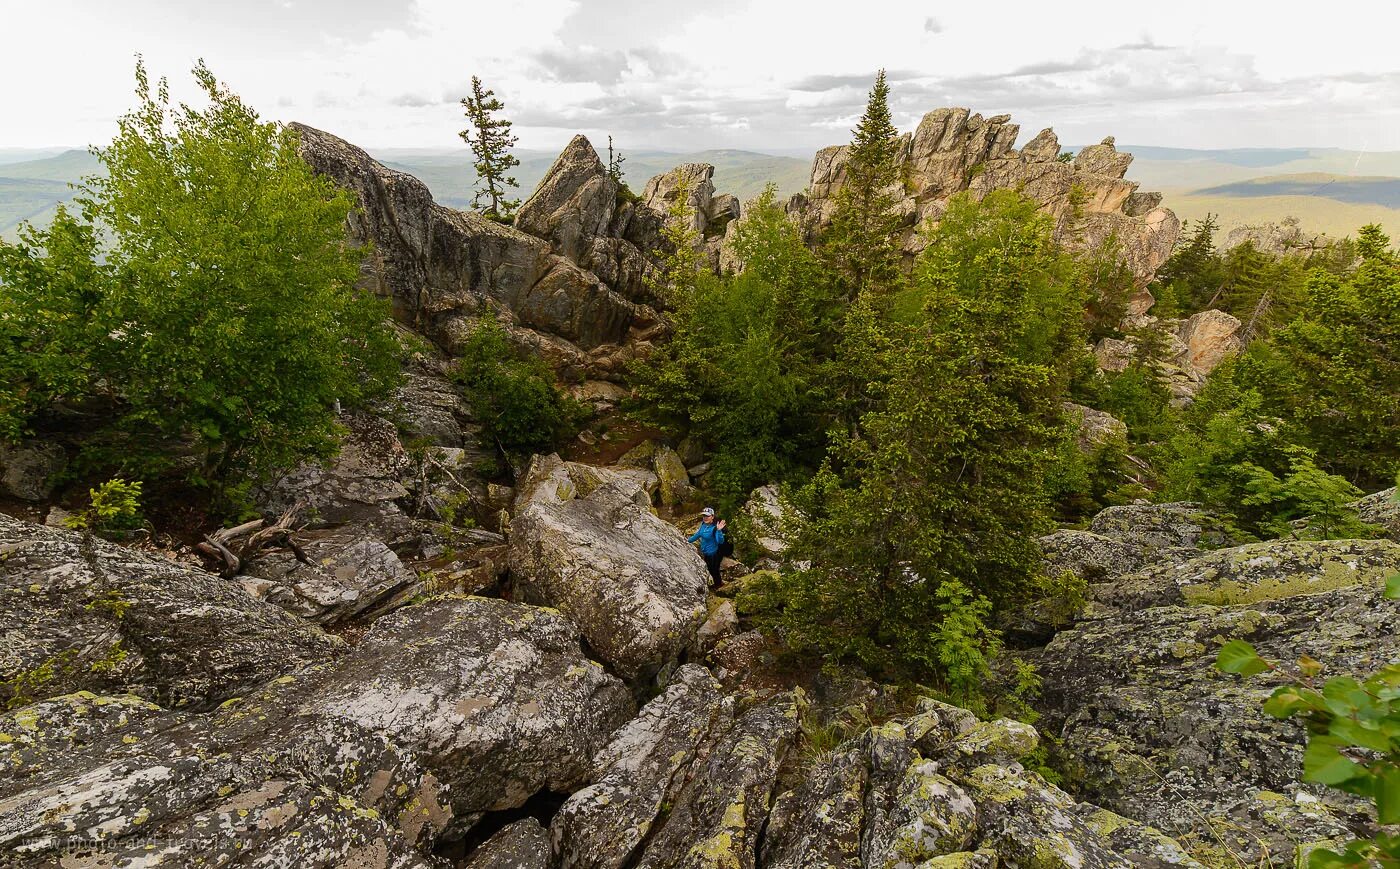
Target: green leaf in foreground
(1237, 656)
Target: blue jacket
(710, 537)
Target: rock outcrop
(1158, 734)
(1095, 428)
(1287, 237)
(630, 581)
(443, 268)
(941, 789)
(84, 614)
(1255, 572)
(954, 150)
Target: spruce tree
(923, 520)
(490, 140)
(862, 242)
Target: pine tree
(615, 161)
(490, 140)
(1194, 273)
(863, 240)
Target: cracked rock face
(629, 580)
(124, 782)
(497, 699)
(1162, 736)
(96, 616)
(940, 788)
(954, 150)
(442, 268)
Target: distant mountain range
(1330, 190)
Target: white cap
(708, 511)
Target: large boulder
(496, 699)
(123, 782)
(1209, 338)
(629, 579)
(349, 575)
(1256, 572)
(1179, 529)
(83, 614)
(687, 783)
(1094, 428)
(27, 470)
(638, 774)
(1089, 556)
(1156, 733)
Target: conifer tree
(490, 140)
(863, 240)
(615, 161)
(923, 519)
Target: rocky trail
(526, 670)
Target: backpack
(726, 549)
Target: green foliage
(1333, 373)
(1353, 739)
(512, 393)
(1304, 492)
(742, 371)
(1194, 273)
(921, 523)
(1235, 458)
(490, 139)
(113, 506)
(215, 317)
(1080, 483)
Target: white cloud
(747, 73)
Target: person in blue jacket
(710, 536)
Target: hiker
(712, 541)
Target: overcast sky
(690, 74)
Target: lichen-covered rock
(672, 477)
(84, 614)
(27, 470)
(113, 776)
(1089, 556)
(1031, 823)
(718, 813)
(1256, 572)
(637, 774)
(550, 481)
(496, 699)
(1161, 531)
(1163, 737)
(941, 789)
(630, 581)
(720, 625)
(1381, 509)
(521, 845)
(350, 575)
(765, 509)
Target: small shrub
(114, 506)
(513, 395)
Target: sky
(682, 75)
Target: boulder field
(550, 686)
